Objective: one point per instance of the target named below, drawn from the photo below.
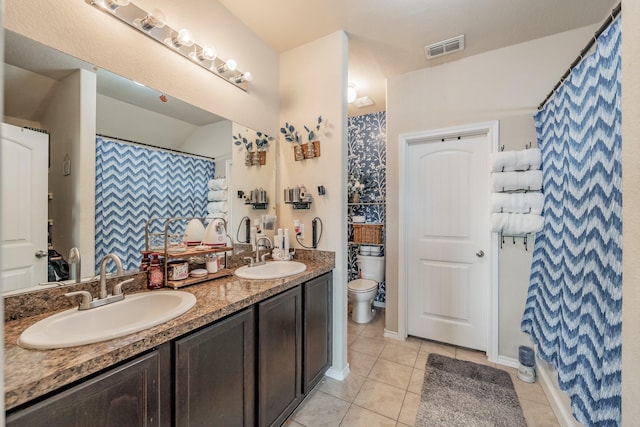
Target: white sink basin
(271, 270)
(78, 327)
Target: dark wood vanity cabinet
(316, 332)
(251, 368)
(279, 356)
(294, 347)
(137, 393)
(214, 374)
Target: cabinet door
(138, 393)
(317, 330)
(280, 353)
(215, 382)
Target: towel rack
(524, 237)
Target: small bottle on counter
(211, 263)
(146, 261)
(155, 275)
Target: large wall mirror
(79, 105)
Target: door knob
(41, 254)
(480, 254)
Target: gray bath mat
(460, 393)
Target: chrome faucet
(104, 299)
(103, 273)
(259, 261)
(74, 259)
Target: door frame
(492, 130)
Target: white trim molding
(492, 130)
(338, 374)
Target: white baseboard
(338, 374)
(392, 334)
(558, 401)
(508, 361)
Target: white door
(23, 207)
(447, 218)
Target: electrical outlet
(301, 232)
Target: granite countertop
(29, 374)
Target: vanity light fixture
(153, 19)
(153, 24)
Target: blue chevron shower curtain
(135, 183)
(573, 311)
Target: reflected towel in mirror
(217, 195)
(217, 207)
(217, 184)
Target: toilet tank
(371, 267)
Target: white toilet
(363, 291)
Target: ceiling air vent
(445, 47)
(365, 101)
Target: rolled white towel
(512, 181)
(503, 161)
(517, 202)
(516, 223)
(217, 195)
(529, 159)
(217, 207)
(218, 184)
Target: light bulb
(230, 65)
(154, 19)
(112, 5)
(207, 53)
(182, 38)
(351, 94)
(246, 77)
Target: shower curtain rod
(614, 14)
(153, 146)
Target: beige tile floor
(383, 388)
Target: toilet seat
(362, 285)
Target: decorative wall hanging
(303, 150)
(258, 157)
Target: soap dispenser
(155, 276)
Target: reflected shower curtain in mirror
(135, 183)
(573, 311)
